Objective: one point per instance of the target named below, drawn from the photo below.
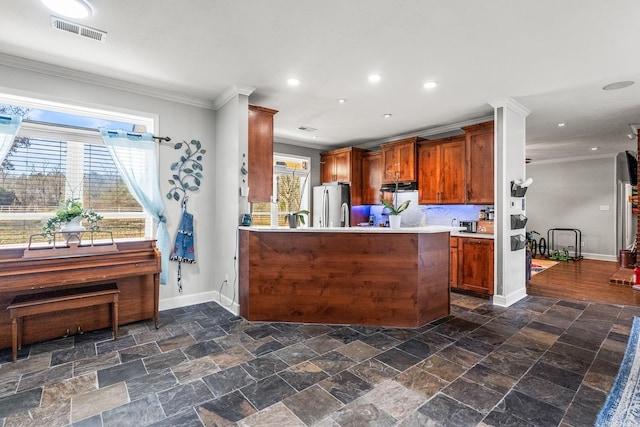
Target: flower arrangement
(68, 210)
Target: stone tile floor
(541, 362)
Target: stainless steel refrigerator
(331, 205)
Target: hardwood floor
(584, 280)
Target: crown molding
(230, 92)
(430, 133)
(81, 76)
(575, 159)
(511, 104)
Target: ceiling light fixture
(618, 85)
(386, 116)
(341, 101)
(76, 9)
(375, 78)
(561, 125)
(430, 85)
(293, 82)
(594, 148)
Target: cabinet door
(479, 177)
(453, 263)
(260, 154)
(342, 166)
(327, 168)
(372, 178)
(406, 160)
(429, 178)
(389, 164)
(475, 257)
(452, 160)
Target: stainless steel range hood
(402, 187)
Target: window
(58, 155)
(291, 187)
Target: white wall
(568, 194)
(176, 120)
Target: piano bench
(58, 300)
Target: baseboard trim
(506, 301)
(192, 299)
(600, 257)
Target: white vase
(394, 221)
(73, 230)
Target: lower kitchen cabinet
(473, 265)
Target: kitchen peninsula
(363, 276)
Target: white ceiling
(553, 57)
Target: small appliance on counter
(469, 226)
(331, 205)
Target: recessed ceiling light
(618, 85)
(77, 9)
(293, 82)
(314, 137)
(341, 101)
(430, 85)
(375, 78)
(594, 148)
(561, 125)
(386, 116)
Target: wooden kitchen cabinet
(479, 163)
(453, 262)
(441, 169)
(344, 165)
(371, 177)
(475, 266)
(260, 154)
(399, 161)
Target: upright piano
(134, 266)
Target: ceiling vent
(77, 29)
(307, 129)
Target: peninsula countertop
(454, 231)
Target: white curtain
(135, 157)
(9, 126)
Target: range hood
(402, 186)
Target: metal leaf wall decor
(187, 172)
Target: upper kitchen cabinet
(399, 161)
(344, 165)
(371, 177)
(441, 171)
(260, 156)
(479, 163)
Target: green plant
(298, 214)
(393, 210)
(68, 210)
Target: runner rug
(539, 265)
(622, 407)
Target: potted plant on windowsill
(68, 219)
